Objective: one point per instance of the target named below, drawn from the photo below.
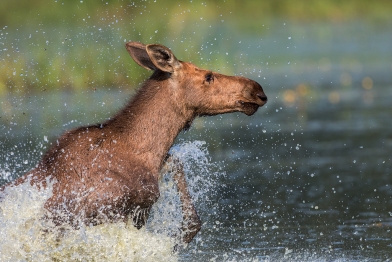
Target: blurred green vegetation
(80, 44)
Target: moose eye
(209, 78)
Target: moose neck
(151, 121)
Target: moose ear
(162, 58)
(139, 53)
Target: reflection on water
(306, 178)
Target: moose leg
(191, 223)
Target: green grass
(80, 44)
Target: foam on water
(25, 236)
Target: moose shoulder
(109, 172)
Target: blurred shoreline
(80, 46)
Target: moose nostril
(263, 97)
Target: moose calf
(109, 172)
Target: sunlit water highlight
(27, 237)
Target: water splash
(25, 235)
(166, 217)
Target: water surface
(307, 178)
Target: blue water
(308, 178)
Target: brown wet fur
(109, 172)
